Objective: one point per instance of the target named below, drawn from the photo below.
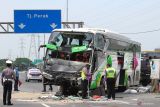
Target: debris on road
(144, 89)
(43, 97)
(140, 89)
(130, 91)
(74, 98)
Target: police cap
(8, 62)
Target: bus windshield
(71, 46)
(63, 39)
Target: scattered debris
(74, 98)
(130, 91)
(43, 97)
(141, 89)
(144, 89)
(57, 97)
(96, 97)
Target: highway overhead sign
(36, 21)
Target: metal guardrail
(8, 27)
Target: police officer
(17, 79)
(7, 76)
(84, 81)
(111, 80)
(44, 85)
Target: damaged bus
(69, 50)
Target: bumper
(34, 77)
(58, 78)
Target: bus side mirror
(41, 46)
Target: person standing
(84, 81)
(6, 79)
(111, 78)
(44, 88)
(17, 79)
(44, 85)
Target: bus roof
(108, 34)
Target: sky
(121, 16)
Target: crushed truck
(69, 50)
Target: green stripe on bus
(51, 46)
(78, 48)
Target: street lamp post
(67, 12)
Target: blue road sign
(36, 21)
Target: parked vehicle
(33, 74)
(69, 50)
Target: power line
(149, 31)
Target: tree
(23, 63)
(2, 64)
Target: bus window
(99, 41)
(63, 39)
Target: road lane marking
(113, 101)
(27, 100)
(135, 99)
(45, 105)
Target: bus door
(99, 43)
(128, 60)
(122, 74)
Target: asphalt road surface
(30, 91)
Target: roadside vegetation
(21, 63)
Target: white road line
(27, 100)
(113, 101)
(45, 105)
(135, 99)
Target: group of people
(8, 75)
(110, 74)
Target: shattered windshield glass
(71, 46)
(63, 39)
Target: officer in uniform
(111, 79)
(17, 79)
(84, 81)
(7, 77)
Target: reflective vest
(110, 72)
(83, 74)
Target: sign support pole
(44, 42)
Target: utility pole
(38, 46)
(32, 48)
(44, 42)
(22, 47)
(67, 12)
